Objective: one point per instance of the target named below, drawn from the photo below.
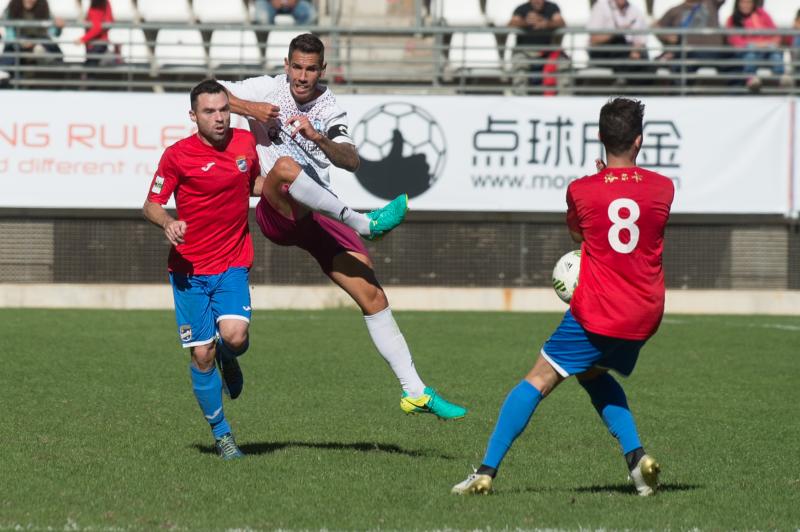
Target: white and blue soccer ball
(565, 275)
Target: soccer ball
(565, 275)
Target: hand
(636, 54)
(175, 230)
(277, 4)
(301, 124)
(263, 111)
(79, 40)
(59, 22)
(536, 21)
(600, 165)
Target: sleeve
(95, 17)
(573, 222)
(519, 11)
(165, 179)
(256, 89)
(597, 20)
(336, 128)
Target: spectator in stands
(534, 47)
(303, 11)
(693, 14)
(755, 50)
(618, 16)
(36, 40)
(96, 37)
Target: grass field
(100, 429)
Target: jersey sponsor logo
(186, 333)
(402, 149)
(241, 163)
(158, 184)
(207, 167)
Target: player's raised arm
(261, 111)
(341, 154)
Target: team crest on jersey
(158, 184)
(186, 333)
(241, 163)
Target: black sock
(486, 470)
(632, 458)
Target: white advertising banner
(457, 153)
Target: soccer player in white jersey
(300, 132)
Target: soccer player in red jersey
(212, 175)
(618, 215)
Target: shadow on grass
(627, 489)
(364, 447)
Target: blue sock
(609, 400)
(207, 388)
(517, 410)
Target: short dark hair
(208, 86)
(621, 121)
(308, 43)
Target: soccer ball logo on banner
(402, 150)
(565, 275)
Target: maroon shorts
(322, 237)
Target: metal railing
(419, 59)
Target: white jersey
(273, 138)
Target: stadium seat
(499, 11)
(458, 12)
(132, 44)
(234, 47)
(230, 11)
(783, 12)
(179, 48)
(575, 12)
(165, 10)
(3, 5)
(66, 9)
(278, 46)
(475, 53)
(73, 53)
(123, 10)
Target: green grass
(100, 429)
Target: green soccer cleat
(387, 217)
(431, 403)
(227, 449)
(645, 476)
(474, 484)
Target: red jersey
(212, 195)
(622, 213)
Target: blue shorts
(572, 350)
(201, 301)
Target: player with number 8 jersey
(618, 215)
(621, 213)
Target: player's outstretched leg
(609, 400)
(207, 387)
(309, 193)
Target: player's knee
(236, 340)
(285, 169)
(375, 300)
(203, 356)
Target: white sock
(392, 346)
(319, 199)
